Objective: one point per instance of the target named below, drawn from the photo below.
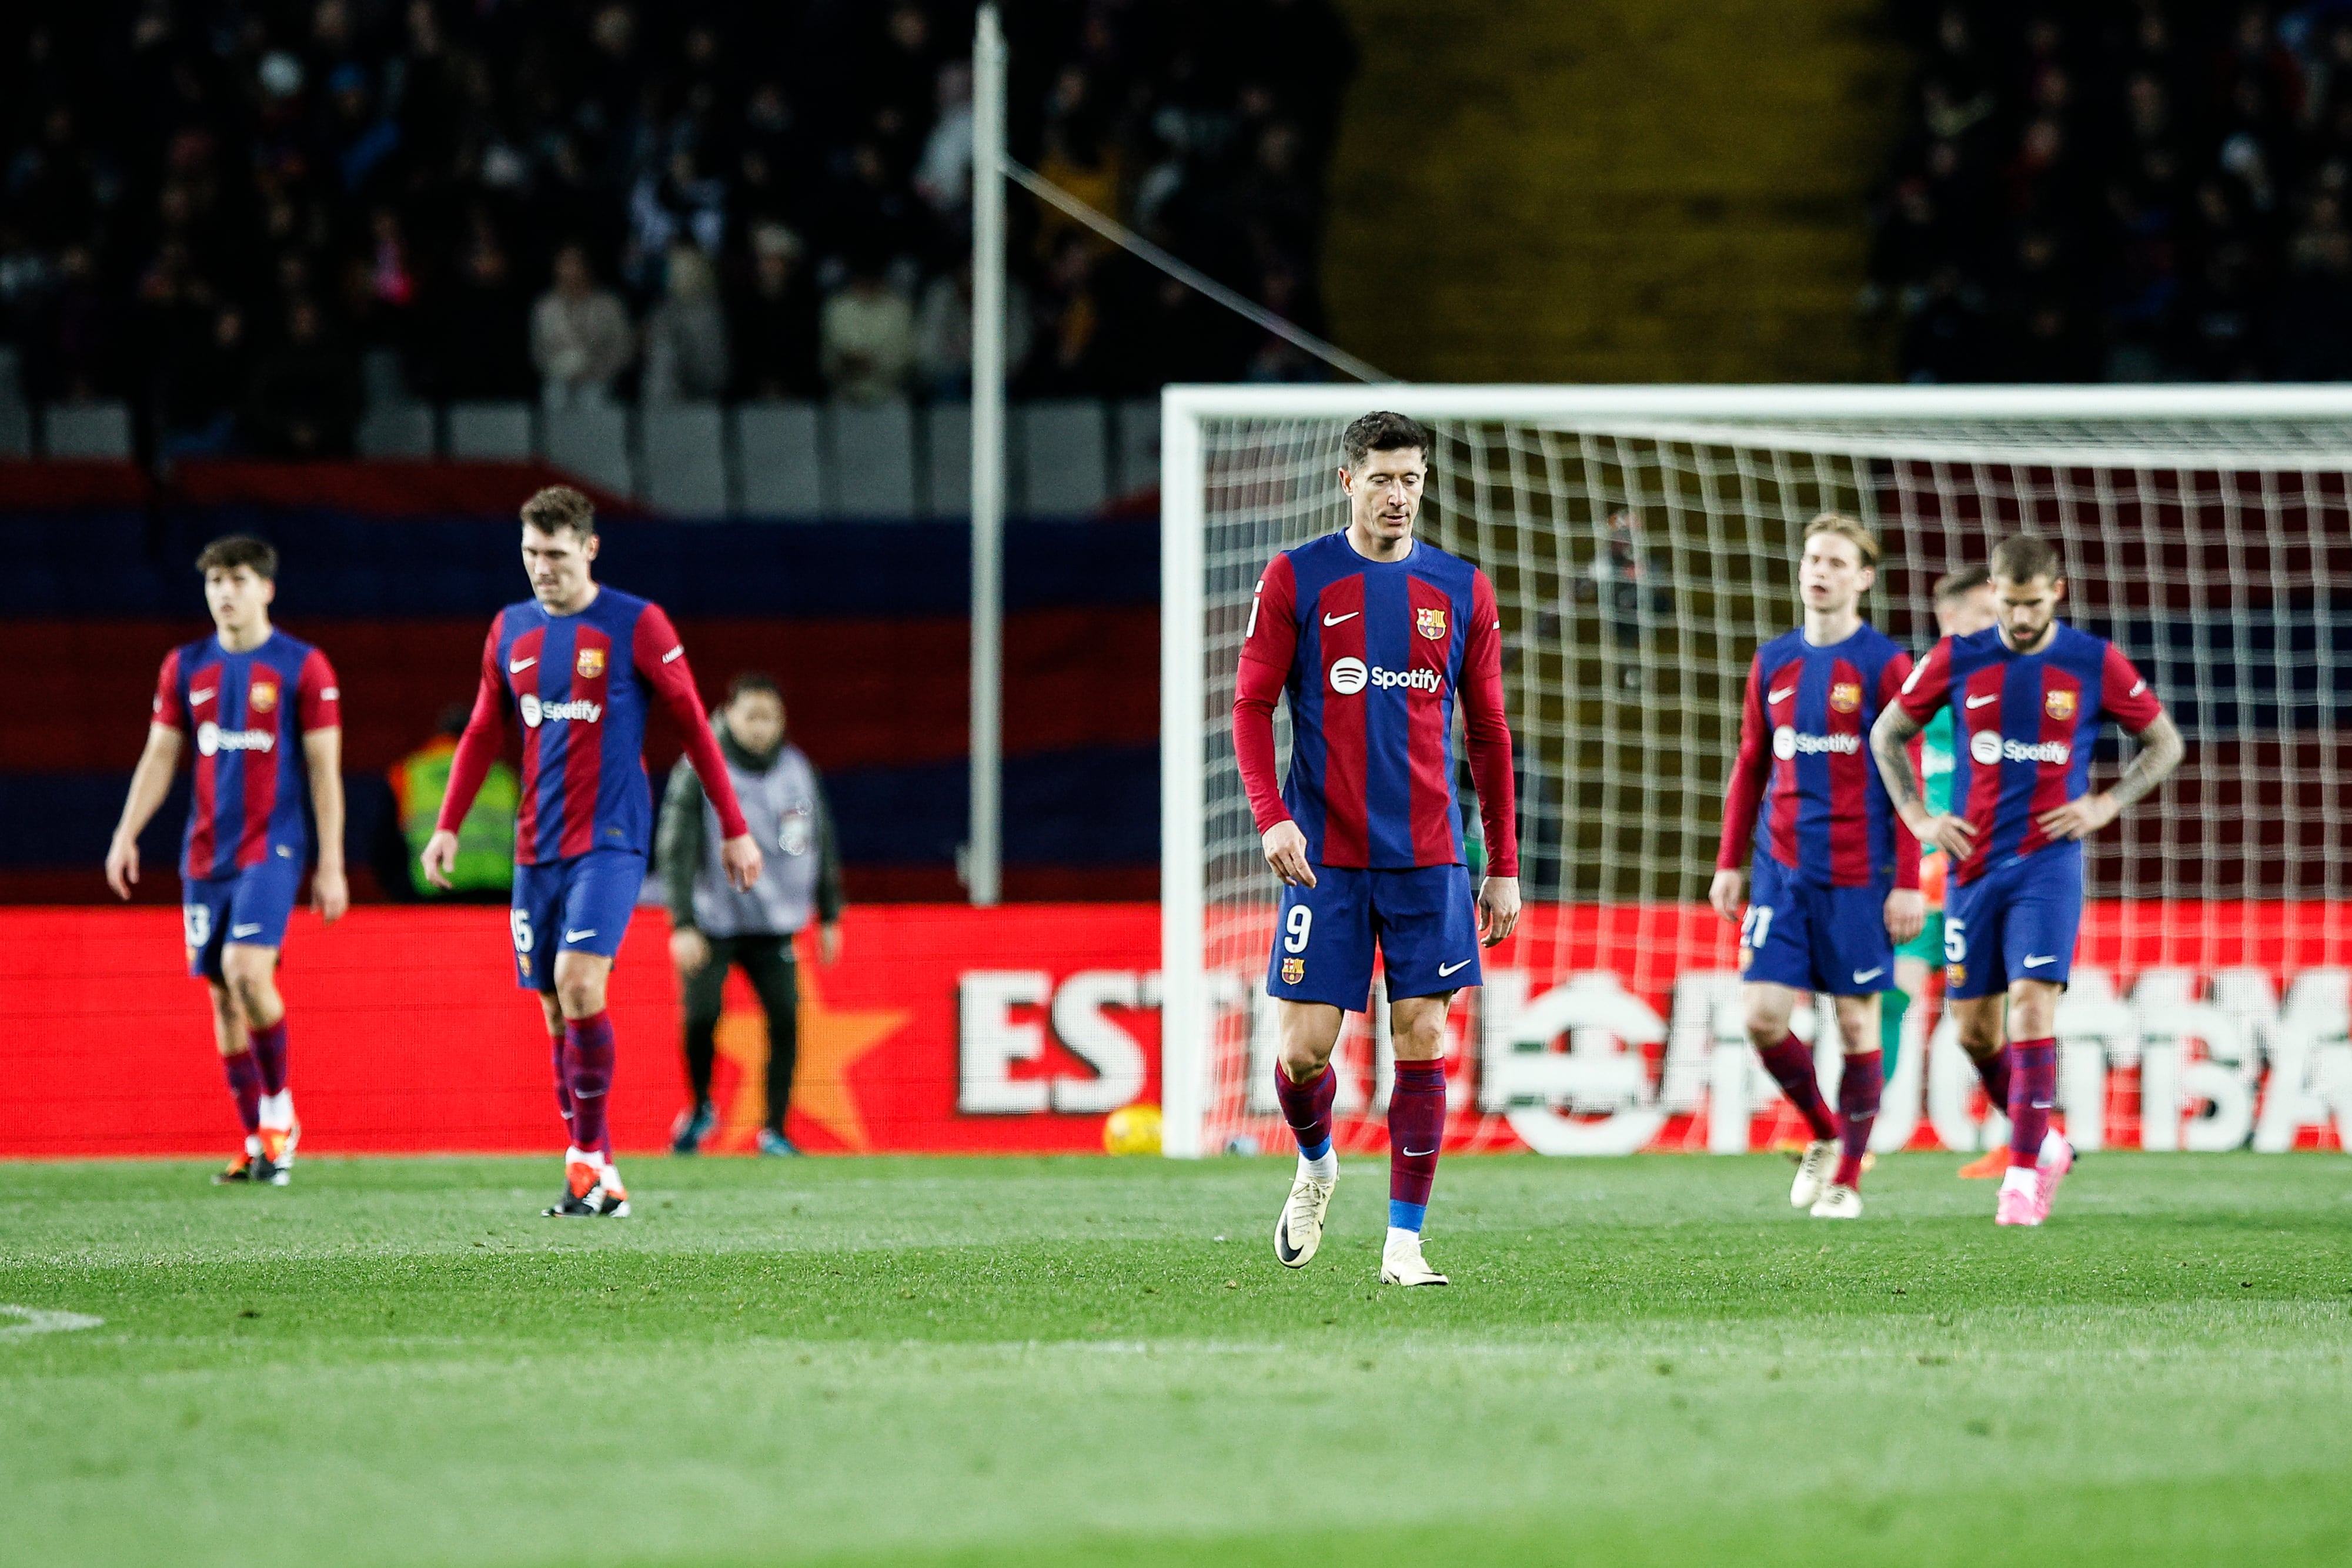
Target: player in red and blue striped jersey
(578, 664)
(1836, 883)
(1374, 637)
(2027, 699)
(267, 718)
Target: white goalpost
(1641, 543)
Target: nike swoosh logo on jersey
(1783, 694)
(1335, 619)
(2033, 963)
(579, 935)
(674, 652)
(251, 930)
(1863, 976)
(203, 696)
(1445, 970)
(1980, 701)
(520, 665)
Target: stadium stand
(2124, 191)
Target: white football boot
(1299, 1229)
(1814, 1168)
(1403, 1264)
(1838, 1203)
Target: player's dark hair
(233, 550)
(2024, 557)
(1382, 432)
(1956, 585)
(560, 506)
(754, 681)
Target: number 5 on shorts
(1297, 924)
(1955, 941)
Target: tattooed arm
(2160, 750)
(1890, 748)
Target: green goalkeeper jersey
(1935, 761)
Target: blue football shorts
(2016, 921)
(250, 908)
(1814, 938)
(579, 904)
(1424, 921)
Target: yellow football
(1133, 1130)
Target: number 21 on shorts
(1755, 925)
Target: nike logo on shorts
(1980, 701)
(252, 930)
(2032, 963)
(1783, 694)
(1863, 976)
(520, 665)
(579, 935)
(1445, 970)
(1335, 619)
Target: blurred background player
(1374, 636)
(1963, 607)
(579, 663)
(715, 926)
(1836, 881)
(248, 692)
(2031, 691)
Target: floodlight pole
(983, 857)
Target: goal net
(1641, 543)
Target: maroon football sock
(1791, 1063)
(245, 1087)
(2033, 1090)
(1860, 1085)
(1416, 1128)
(1308, 1108)
(560, 1046)
(1994, 1072)
(591, 1040)
(269, 1051)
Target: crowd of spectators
(2125, 189)
(214, 208)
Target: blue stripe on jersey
(1388, 739)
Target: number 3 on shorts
(520, 919)
(1955, 941)
(1297, 924)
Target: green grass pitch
(1050, 1362)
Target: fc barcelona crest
(1431, 624)
(1293, 971)
(1845, 696)
(2058, 705)
(590, 663)
(264, 697)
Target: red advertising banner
(948, 1030)
(407, 1035)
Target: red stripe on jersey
(265, 700)
(583, 743)
(1983, 690)
(1347, 797)
(1427, 714)
(203, 800)
(1849, 780)
(2061, 722)
(527, 646)
(1788, 794)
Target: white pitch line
(38, 1320)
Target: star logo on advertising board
(833, 1042)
